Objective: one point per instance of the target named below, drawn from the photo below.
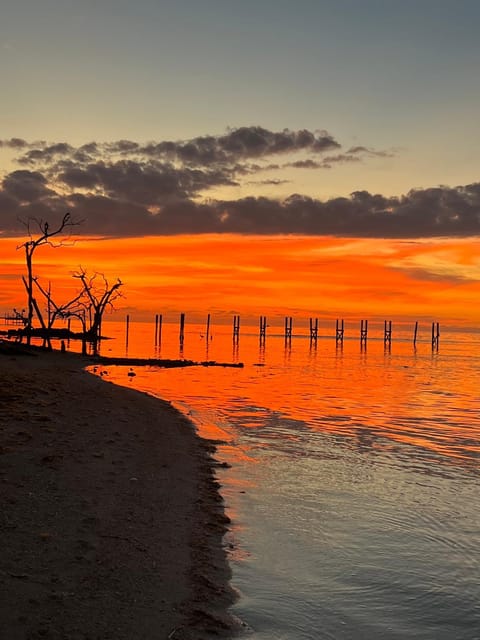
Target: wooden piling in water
(313, 330)
(288, 328)
(158, 329)
(435, 335)
(159, 333)
(127, 328)
(415, 332)
(182, 329)
(207, 334)
(263, 329)
(363, 332)
(236, 328)
(387, 332)
(339, 331)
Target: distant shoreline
(113, 523)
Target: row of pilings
(288, 331)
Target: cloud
(26, 186)
(126, 188)
(14, 143)
(273, 182)
(237, 145)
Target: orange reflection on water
(416, 404)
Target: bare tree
(46, 233)
(98, 297)
(72, 308)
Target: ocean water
(354, 480)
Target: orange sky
(271, 275)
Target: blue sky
(398, 78)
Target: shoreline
(113, 523)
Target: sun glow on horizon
(226, 274)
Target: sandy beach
(111, 520)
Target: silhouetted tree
(97, 298)
(45, 235)
(72, 308)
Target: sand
(111, 522)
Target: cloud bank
(125, 188)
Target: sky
(308, 157)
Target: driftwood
(152, 362)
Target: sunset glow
(226, 274)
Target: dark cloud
(272, 182)
(355, 154)
(370, 152)
(236, 145)
(14, 143)
(147, 184)
(241, 144)
(26, 186)
(442, 211)
(306, 164)
(126, 188)
(46, 154)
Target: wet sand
(111, 521)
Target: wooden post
(263, 329)
(340, 329)
(288, 329)
(435, 335)
(208, 329)
(158, 329)
(415, 331)
(313, 330)
(363, 332)
(182, 328)
(387, 332)
(236, 328)
(127, 328)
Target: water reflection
(419, 405)
(354, 483)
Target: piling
(263, 329)
(313, 330)
(339, 331)
(158, 329)
(363, 332)
(207, 334)
(387, 333)
(182, 329)
(435, 335)
(236, 329)
(415, 332)
(127, 328)
(288, 329)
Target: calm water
(354, 482)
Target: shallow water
(354, 482)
